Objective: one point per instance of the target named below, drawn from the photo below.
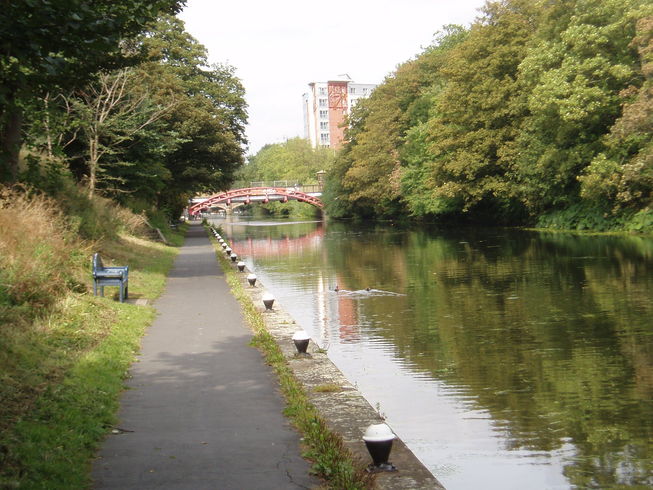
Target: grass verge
(331, 459)
(62, 374)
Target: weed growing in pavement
(328, 388)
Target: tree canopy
(51, 45)
(537, 108)
(144, 119)
(294, 160)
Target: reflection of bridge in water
(330, 304)
(271, 247)
(332, 308)
(229, 200)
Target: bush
(641, 222)
(587, 217)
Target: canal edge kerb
(346, 412)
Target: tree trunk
(92, 164)
(10, 141)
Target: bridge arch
(255, 194)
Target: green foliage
(166, 128)
(580, 217)
(573, 80)
(538, 107)
(65, 352)
(120, 131)
(295, 209)
(372, 160)
(161, 131)
(589, 216)
(294, 160)
(478, 112)
(334, 195)
(641, 221)
(207, 115)
(623, 173)
(60, 45)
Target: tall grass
(40, 256)
(97, 218)
(46, 244)
(64, 352)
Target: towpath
(203, 410)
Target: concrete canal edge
(346, 412)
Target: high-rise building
(325, 106)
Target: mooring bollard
(241, 266)
(268, 300)
(234, 257)
(251, 279)
(301, 340)
(378, 440)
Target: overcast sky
(278, 47)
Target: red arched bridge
(253, 195)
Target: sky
(279, 47)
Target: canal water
(504, 359)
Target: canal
(504, 359)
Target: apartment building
(325, 106)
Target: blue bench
(110, 276)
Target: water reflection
(503, 359)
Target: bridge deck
(255, 194)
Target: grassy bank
(331, 460)
(63, 352)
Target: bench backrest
(97, 263)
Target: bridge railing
(275, 183)
(288, 184)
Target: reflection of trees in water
(549, 333)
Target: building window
(325, 146)
(324, 114)
(323, 102)
(322, 91)
(352, 90)
(364, 91)
(324, 138)
(324, 125)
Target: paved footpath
(203, 410)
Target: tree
(580, 61)
(477, 116)
(51, 45)
(208, 117)
(372, 166)
(416, 155)
(112, 115)
(294, 160)
(623, 174)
